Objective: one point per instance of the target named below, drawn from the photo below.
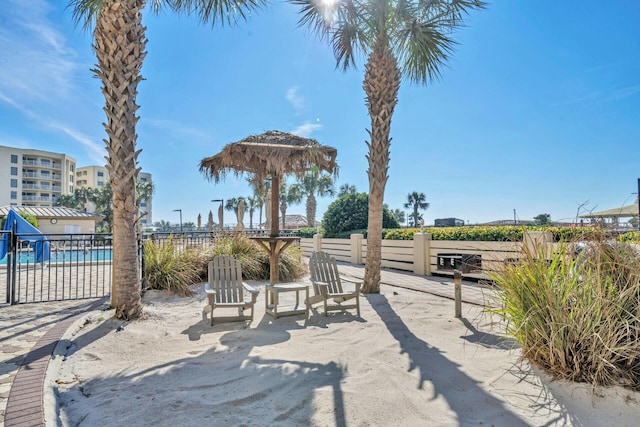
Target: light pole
(179, 210)
(220, 212)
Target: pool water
(68, 255)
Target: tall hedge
(501, 233)
(351, 212)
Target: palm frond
(227, 12)
(85, 12)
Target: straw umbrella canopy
(272, 154)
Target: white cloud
(296, 100)
(35, 62)
(306, 129)
(97, 151)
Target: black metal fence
(62, 267)
(76, 266)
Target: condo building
(36, 178)
(98, 176)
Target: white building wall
(31, 177)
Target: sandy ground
(406, 362)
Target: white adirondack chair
(327, 284)
(226, 289)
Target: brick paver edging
(25, 406)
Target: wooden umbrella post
(275, 202)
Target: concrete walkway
(28, 336)
(30, 332)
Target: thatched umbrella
(272, 154)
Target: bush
(166, 269)
(576, 315)
(351, 212)
(630, 237)
(309, 232)
(500, 233)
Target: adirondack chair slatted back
(324, 269)
(225, 277)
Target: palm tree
(253, 202)
(310, 185)
(416, 201)
(398, 215)
(346, 189)
(288, 196)
(232, 204)
(119, 43)
(412, 34)
(260, 190)
(102, 198)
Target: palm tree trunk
(311, 210)
(119, 45)
(381, 85)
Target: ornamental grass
(167, 266)
(576, 312)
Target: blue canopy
(36, 239)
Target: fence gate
(62, 267)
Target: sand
(405, 362)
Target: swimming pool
(67, 255)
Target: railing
(54, 188)
(42, 164)
(424, 256)
(37, 199)
(62, 267)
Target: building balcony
(48, 165)
(38, 199)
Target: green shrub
(309, 232)
(630, 237)
(166, 269)
(244, 250)
(489, 233)
(351, 212)
(576, 315)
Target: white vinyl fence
(425, 256)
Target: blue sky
(538, 109)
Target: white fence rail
(425, 256)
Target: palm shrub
(168, 269)
(576, 315)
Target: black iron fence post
(12, 265)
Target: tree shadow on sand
(240, 379)
(448, 381)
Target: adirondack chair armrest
(356, 282)
(211, 294)
(250, 288)
(322, 286)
